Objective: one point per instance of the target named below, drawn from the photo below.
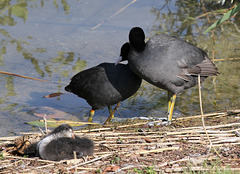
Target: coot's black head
(125, 49)
(63, 130)
(137, 39)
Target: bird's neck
(138, 45)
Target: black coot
(168, 62)
(105, 84)
(61, 143)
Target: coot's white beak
(72, 134)
(118, 60)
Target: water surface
(53, 40)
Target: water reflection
(51, 40)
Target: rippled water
(53, 40)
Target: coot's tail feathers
(205, 68)
(68, 88)
(208, 68)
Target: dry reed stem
(213, 127)
(47, 165)
(91, 161)
(86, 168)
(173, 162)
(208, 19)
(152, 151)
(106, 134)
(40, 129)
(75, 157)
(100, 153)
(205, 115)
(225, 144)
(184, 132)
(133, 137)
(110, 17)
(142, 144)
(136, 124)
(199, 169)
(68, 122)
(211, 131)
(229, 140)
(128, 167)
(197, 135)
(31, 159)
(201, 110)
(207, 13)
(30, 133)
(45, 123)
(9, 138)
(236, 58)
(26, 77)
(93, 130)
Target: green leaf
(224, 18)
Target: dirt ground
(140, 146)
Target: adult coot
(106, 84)
(61, 143)
(169, 63)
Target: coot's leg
(112, 112)
(171, 103)
(91, 114)
(170, 94)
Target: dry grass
(135, 147)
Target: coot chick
(105, 84)
(61, 143)
(169, 63)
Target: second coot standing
(105, 84)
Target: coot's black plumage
(61, 143)
(168, 62)
(105, 84)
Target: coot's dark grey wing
(188, 59)
(123, 80)
(81, 83)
